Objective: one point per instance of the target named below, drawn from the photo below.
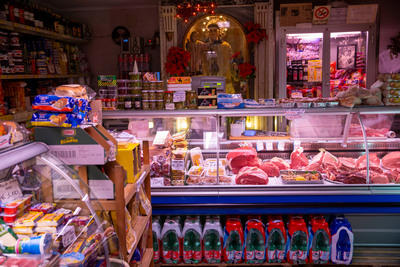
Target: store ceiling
(95, 4)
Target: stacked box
(390, 88)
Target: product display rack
(50, 76)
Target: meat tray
(302, 173)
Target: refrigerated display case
(72, 224)
(355, 134)
(322, 60)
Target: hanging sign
(321, 15)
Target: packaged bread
(51, 219)
(162, 139)
(71, 90)
(179, 153)
(29, 219)
(178, 137)
(196, 156)
(180, 144)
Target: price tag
(68, 235)
(179, 96)
(260, 146)
(281, 146)
(178, 164)
(157, 181)
(10, 191)
(170, 106)
(296, 144)
(269, 146)
(292, 114)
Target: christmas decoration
(177, 61)
(186, 10)
(255, 33)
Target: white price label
(281, 146)
(179, 96)
(260, 146)
(10, 191)
(155, 182)
(269, 146)
(178, 165)
(296, 144)
(68, 235)
(170, 106)
(292, 114)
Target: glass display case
(323, 60)
(47, 213)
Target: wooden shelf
(18, 117)
(139, 225)
(41, 76)
(130, 189)
(147, 257)
(21, 28)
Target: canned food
(145, 104)
(152, 104)
(145, 95)
(159, 95)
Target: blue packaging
(55, 103)
(342, 241)
(230, 101)
(56, 119)
(34, 245)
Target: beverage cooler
(322, 60)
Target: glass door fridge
(320, 61)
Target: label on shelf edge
(157, 181)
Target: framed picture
(346, 56)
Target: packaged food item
(72, 259)
(159, 104)
(43, 207)
(228, 101)
(8, 218)
(195, 173)
(145, 104)
(196, 156)
(75, 90)
(47, 229)
(169, 100)
(179, 153)
(34, 245)
(7, 238)
(213, 162)
(130, 233)
(23, 230)
(76, 247)
(56, 119)
(152, 105)
(51, 219)
(29, 219)
(162, 139)
(55, 103)
(13, 207)
(145, 205)
(211, 175)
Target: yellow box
(129, 158)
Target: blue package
(230, 101)
(60, 103)
(249, 133)
(55, 119)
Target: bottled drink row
(300, 240)
(35, 15)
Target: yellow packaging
(51, 219)
(28, 220)
(129, 159)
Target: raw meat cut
(297, 159)
(348, 177)
(241, 157)
(391, 160)
(346, 164)
(378, 178)
(316, 163)
(374, 163)
(252, 176)
(280, 163)
(329, 161)
(270, 169)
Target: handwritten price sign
(10, 191)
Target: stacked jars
(129, 92)
(108, 96)
(153, 95)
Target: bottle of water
(212, 238)
(254, 241)
(192, 233)
(276, 240)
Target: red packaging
(12, 208)
(258, 255)
(233, 226)
(276, 222)
(297, 228)
(319, 223)
(9, 218)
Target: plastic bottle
(342, 241)
(320, 238)
(297, 240)
(233, 241)
(171, 241)
(157, 252)
(254, 248)
(212, 239)
(192, 248)
(276, 240)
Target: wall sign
(10, 191)
(321, 15)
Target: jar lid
(159, 100)
(122, 81)
(159, 91)
(123, 88)
(169, 92)
(145, 91)
(146, 100)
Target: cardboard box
(99, 183)
(291, 14)
(75, 146)
(130, 159)
(207, 102)
(2, 111)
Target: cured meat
(316, 163)
(280, 163)
(329, 161)
(241, 157)
(346, 164)
(297, 159)
(270, 169)
(391, 160)
(374, 163)
(251, 176)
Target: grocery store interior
(199, 132)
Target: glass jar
(159, 104)
(191, 99)
(146, 86)
(152, 104)
(169, 100)
(152, 95)
(159, 95)
(128, 103)
(145, 104)
(145, 95)
(137, 104)
(153, 86)
(159, 85)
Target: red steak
(297, 159)
(280, 163)
(374, 163)
(391, 160)
(346, 164)
(270, 169)
(251, 176)
(241, 157)
(329, 161)
(316, 163)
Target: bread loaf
(72, 90)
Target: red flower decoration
(177, 61)
(247, 70)
(255, 33)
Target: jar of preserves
(159, 104)
(159, 85)
(137, 104)
(145, 104)
(169, 100)
(152, 104)
(128, 103)
(114, 103)
(159, 95)
(145, 95)
(191, 99)
(146, 85)
(152, 95)
(153, 86)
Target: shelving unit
(21, 28)
(50, 76)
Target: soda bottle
(254, 248)
(171, 241)
(212, 239)
(156, 240)
(233, 241)
(192, 249)
(342, 241)
(298, 241)
(320, 240)
(276, 240)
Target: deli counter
(331, 160)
